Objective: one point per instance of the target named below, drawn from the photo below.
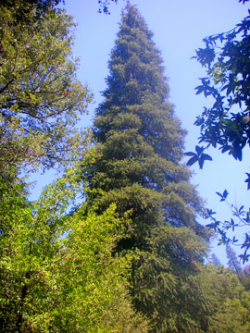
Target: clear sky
(179, 27)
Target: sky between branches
(179, 27)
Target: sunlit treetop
(40, 96)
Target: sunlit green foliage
(57, 271)
(234, 316)
(40, 96)
(213, 289)
(134, 249)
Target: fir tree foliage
(140, 138)
(215, 260)
(137, 166)
(233, 261)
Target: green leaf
(190, 154)
(199, 150)
(248, 180)
(192, 160)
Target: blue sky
(179, 27)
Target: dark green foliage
(228, 83)
(217, 292)
(240, 218)
(215, 260)
(226, 124)
(27, 12)
(137, 166)
(198, 156)
(233, 262)
(226, 59)
(24, 7)
(104, 6)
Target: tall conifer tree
(139, 148)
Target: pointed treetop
(133, 18)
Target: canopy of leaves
(57, 271)
(226, 57)
(40, 96)
(104, 5)
(23, 7)
(226, 124)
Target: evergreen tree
(233, 262)
(137, 166)
(215, 260)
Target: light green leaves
(58, 271)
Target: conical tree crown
(136, 97)
(137, 166)
(140, 138)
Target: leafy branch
(241, 218)
(199, 157)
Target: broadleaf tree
(40, 96)
(104, 5)
(137, 166)
(57, 270)
(225, 124)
